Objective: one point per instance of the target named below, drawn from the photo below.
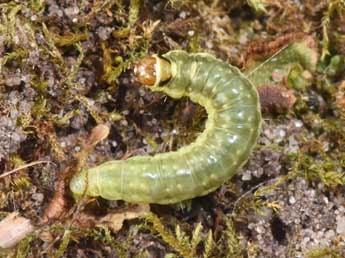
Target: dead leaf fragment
(58, 205)
(98, 133)
(13, 229)
(115, 220)
(261, 50)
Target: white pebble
(282, 133)
(292, 200)
(183, 15)
(330, 234)
(298, 123)
(209, 45)
(340, 225)
(246, 175)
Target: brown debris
(46, 131)
(276, 99)
(264, 49)
(187, 114)
(98, 133)
(340, 97)
(113, 219)
(13, 229)
(336, 29)
(85, 220)
(61, 200)
(312, 147)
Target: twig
(23, 167)
(251, 190)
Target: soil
(66, 66)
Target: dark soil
(66, 66)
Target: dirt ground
(67, 66)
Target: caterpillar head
(152, 70)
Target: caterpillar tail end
(78, 184)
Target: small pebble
(246, 175)
(209, 44)
(298, 123)
(340, 224)
(292, 200)
(183, 15)
(38, 197)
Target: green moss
(37, 5)
(104, 235)
(114, 66)
(325, 252)
(40, 86)
(334, 7)
(209, 245)
(134, 9)
(72, 72)
(20, 182)
(69, 40)
(281, 62)
(336, 66)
(299, 79)
(194, 43)
(121, 33)
(114, 117)
(52, 49)
(157, 226)
(39, 109)
(324, 170)
(24, 248)
(63, 245)
(64, 120)
(18, 54)
(234, 248)
(88, 104)
(258, 5)
(9, 22)
(179, 3)
(73, 234)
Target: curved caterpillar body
(231, 130)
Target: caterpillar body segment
(231, 131)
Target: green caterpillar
(231, 131)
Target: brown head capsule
(152, 70)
